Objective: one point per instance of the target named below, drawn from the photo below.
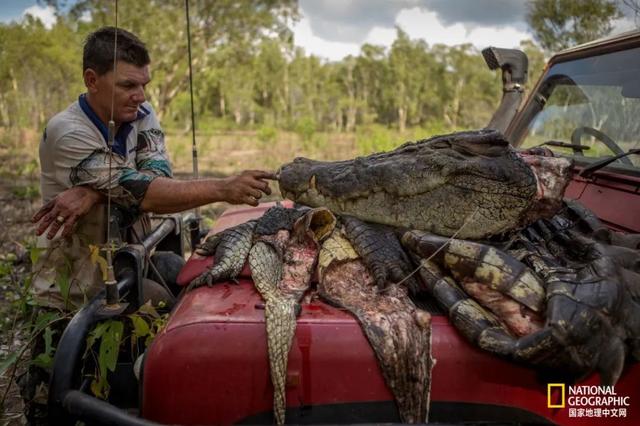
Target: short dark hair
(98, 50)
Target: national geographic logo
(588, 401)
(552, 400)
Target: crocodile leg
(282, 265)
(399, 333)
(230, 249)
(266, 269)
(381, 251)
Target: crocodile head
(472, 183)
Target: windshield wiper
(588, 171)
(566, 145)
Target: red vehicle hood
(210, 366)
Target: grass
(225, 153)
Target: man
(78, 171)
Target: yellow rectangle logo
(550, 387)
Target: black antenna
(194, 148)
(194, 226)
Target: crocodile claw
(230, 249)
(381, 252)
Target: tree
(215, 24)
(37, 68)
(536, 62)
(558, 24)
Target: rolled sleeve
(107, 173)
(151, 154)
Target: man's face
(130, 82)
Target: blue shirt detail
(120, 139)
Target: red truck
(210, 365)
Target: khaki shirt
(73, 152)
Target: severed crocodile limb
(399, 333)
(282, 265)
(266, 268)
(230, 249)
(381, 252)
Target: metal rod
(94, 411)
(165, 228)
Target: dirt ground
(16, 229)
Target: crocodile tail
(280, 320)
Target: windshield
(591, 103)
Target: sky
(333, 29)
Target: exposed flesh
(399, 333)
(282, 265)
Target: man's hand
(166, 195)
(65, 209)
(247, 187)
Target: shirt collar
(120, 139)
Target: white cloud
(423, 24)
(46, 14)
(315, 45)
(418, 23)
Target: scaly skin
(281, 266)
(381, 252)
(481, 263)
(399, 333)
(230, 249)
(280, 319)
(436, 185)
(590, 285)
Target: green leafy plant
(42, 324)
(108, 337)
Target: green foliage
(305, 127)
(267, 134)
(558, 24)
(8, 362)
(29, 192)
(248, 74)
(45, 359)
(376, 139)
(146, 324)
(108, 335)
(43, 324)
(37, 69)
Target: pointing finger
(261, 174)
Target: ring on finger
(60, 219)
